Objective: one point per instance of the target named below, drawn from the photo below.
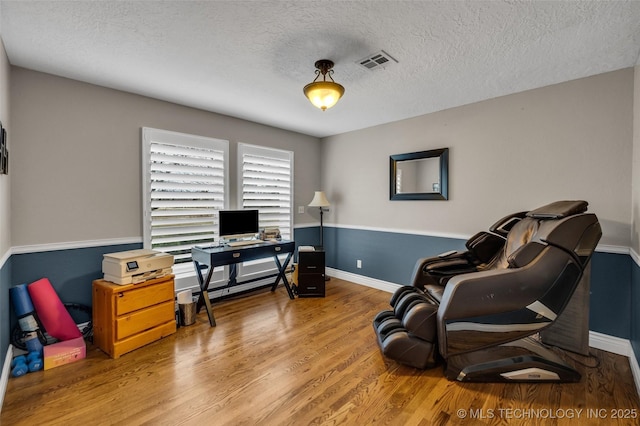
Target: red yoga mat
(54, 316)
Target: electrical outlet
(300, 209)
(359, 264)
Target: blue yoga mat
(21, 300)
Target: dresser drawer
(137, 340)
(311, 285)
(144, 319)
(311, 262)
(138, 298)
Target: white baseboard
(611, 344)
(618, 346)
(362, 280)
(4, 379)
(597, 340)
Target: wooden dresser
(126, 317)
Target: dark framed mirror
(420, 175)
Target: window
(185, 184)
(266, 183)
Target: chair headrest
(559, 209)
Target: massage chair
(481, 311)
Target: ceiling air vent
(378, 60)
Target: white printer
(136, 266)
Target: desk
(211, 257)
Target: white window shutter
(187, 190)
(185, 180)
(267, 185)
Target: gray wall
(635, 221)
(635, 236)
(567, 141)
(77, 157)
(5, 226)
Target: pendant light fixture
(323, 94)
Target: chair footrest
(408, 334)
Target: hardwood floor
(275, 361)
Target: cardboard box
(62, 353)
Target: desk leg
(281, 275)
(233, 275)
(204, 294)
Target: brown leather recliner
(477, 309)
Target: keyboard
(244, 243)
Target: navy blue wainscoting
(307, 236)
(610, 307)
(70, 272)
(386, 256)
(5, 284)
(635, 310)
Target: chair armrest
(439, 269)
(450, 267)
(484, 246)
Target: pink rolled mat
(54, 316)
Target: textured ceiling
(252, 59)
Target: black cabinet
(311, 282)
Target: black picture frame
(4, 151)
(439, 192)
(1, 151)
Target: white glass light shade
(323, 94)
(319, 200)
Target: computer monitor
(236, 224)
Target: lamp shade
(319, 200)
(323, 94)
